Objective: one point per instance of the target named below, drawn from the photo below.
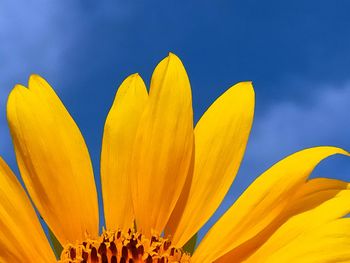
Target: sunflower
(161, 181)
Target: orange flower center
(121, 247)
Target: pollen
(124, 247)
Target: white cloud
(322, 119)
(34, 35)
(37, 36)
(288, 127)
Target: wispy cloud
(34, 37)
(287, 127)
(38, 36)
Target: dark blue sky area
(297, 53)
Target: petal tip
(17, 89)
(171, 54)
(335, 150)
(131, 79)
(246, 84)
(34, 78)
(135, 75)
(131, 84)
(245, 88)
(173, 58)
(346, 152)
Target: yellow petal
(327, 243)
(319, 194)
(179, 208)
(21, 236)
(263, 201)
(53, 160)
(118, 140)
(221, 136)
(163, 147)
(334, 208)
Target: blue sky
(297, 53)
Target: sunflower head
(119, 246)
(162, 179)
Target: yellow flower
(164, 177)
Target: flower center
(121, 247)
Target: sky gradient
(297, 53)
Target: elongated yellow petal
(221, 136)
(319, 194)
(263, 201)
(163, 147)
(334, 208)
(118, 140)
(324, 244)
(179, 208)
(53, 160)
(21, 236)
